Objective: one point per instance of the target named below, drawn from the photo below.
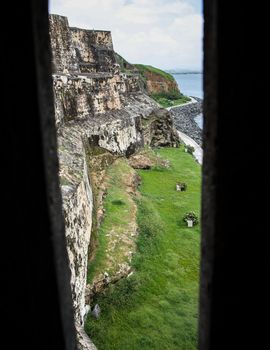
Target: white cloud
(163, 33)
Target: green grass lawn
(157, 307)
(166, 102)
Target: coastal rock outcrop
(158, 82)
(183, 117)
(95, 106)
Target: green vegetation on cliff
(169, 101)
(162, 86)
(157, 307)
(144, 69)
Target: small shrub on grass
(190, 149)
(191, 215)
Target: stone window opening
(232, 300)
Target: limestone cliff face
(157, 81)
(93, 100)
(157, 84)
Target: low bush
(121, 293)
(190, 149)
(191, 215)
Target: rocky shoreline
(183, 117)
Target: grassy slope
(144, 68)
(157, 307)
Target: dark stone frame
(37, 308)
(233, 302)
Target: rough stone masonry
(93, 99)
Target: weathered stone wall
(94, 50)
(89, 96)
(77, 209)
(139, 122)
(86, 96)
(64, 54)
(84, 38)
(132, 83)
(80, 50)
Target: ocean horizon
(190, 84)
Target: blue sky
(163, 33)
